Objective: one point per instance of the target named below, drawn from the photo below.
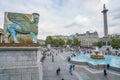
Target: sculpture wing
(22, 20)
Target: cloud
(116, 15)
(84, 21)
(79, 21)
(105, 1)
(113, 24)
(66, 16)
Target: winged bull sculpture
(22, 24)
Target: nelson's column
(105, 39)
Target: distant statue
(104, 6)
(22, 24)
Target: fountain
(97, 60)
(97, 55)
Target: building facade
(41, 42)
(87, 39)
(115, 35)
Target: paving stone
(49, 70)
(4, 77)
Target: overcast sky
(66, 17)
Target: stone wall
(19, 64)
(20, 73)
(18, 58)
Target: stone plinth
(19, 63)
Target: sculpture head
(35, 18)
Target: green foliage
(54, 42)
(76, 42)
(69, 42)
(61, 42)
(99, 44)
(115, 42)
(49, 40)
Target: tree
(49, 40)
(76, 42)
(69, 42)
(61, 42)
(115, 43)
(55, 42)
(99, 44)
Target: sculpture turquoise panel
(18, 23)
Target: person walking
(70, 69)
(52, 58)
(43, 58)
(105, 73)
(73, 67)
(69, 59)
(58, 71)
(50, 53)
(108, 66)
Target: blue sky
(66, 17)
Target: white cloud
(83, 21)
(56, 15)
(105, 1)
(78, 24)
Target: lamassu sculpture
(22, 24)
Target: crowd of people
(54, 52)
